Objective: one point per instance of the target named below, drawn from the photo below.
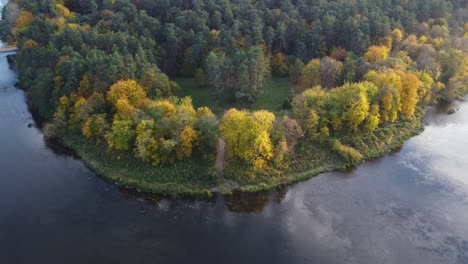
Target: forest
(359, 73)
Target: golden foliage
(376, 53)
(128, 89)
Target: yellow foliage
(349, 153)
(311, 123)
(87, 132)
(63, 11)
(189, 138)
(124, 110)
(281, 150)
(30, 44)
(386, 42)
(409, 94)
(214, 35)
(166, 108)
(397, 35)
(23, 21)
(145, 143)
(236, 127)
(128, 89)
(204, 111)
(391, 87)
(95, 126)
(61, 23)
(376, 53)
(422, 39)
(248, 136)
(259, 164)
(263, 145)
(389, 101)
(264, 119)
(185, 111)
(324, 133)
(73, 26)
(311, 74)
(425, 86)
(78, 114)
(373, 120)
(336, 123)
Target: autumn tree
(121, 135)
(129, 90)
(95, 127)
(376, 53)
(247, 136)
(330, 71)
(311, 74)
(409, 94)
(189, 139)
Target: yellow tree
(425, 86)
(397, 36)
(95, 127)
(63, 11)
(124, 110)
(189, 139)
(128, 89)
(145, 144)
(389, 101)
(79, 114)
(264, 120)
(248, 136)
(23, 22)
(263, 150)
(391, 87)
(235, 126)
(352, 102)
(186, 114)
(376, 53)
(281, 150)
(409, 95)
(358, 107)
(373, 120)
(311, 74)
(164, 108)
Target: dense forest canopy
(104, 69)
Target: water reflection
(247, 202)
(407, 207)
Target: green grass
(201, 96)
(192, 177)
(275, 91)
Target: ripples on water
(408, 207)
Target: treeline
(126, 120)
(100, 69)
(215, 40)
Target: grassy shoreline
(197, 178)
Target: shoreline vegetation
(129, 172)
(142, 91)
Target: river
(408, 207)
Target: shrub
(346, 152)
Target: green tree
(121, 136)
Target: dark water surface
(408, 207)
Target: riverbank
(198, 178)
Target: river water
(407, 207)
